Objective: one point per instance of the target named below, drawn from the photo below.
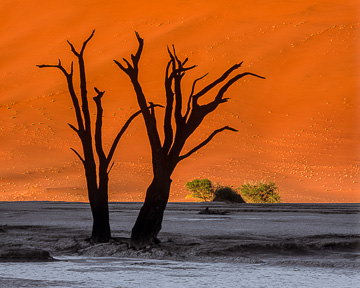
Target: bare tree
(167, 154)
(97, 179)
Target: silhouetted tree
(167, 154)
(97, 179)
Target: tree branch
(75, 129)
(232, 81)
(194, 84)
(78, 155)
(152, 110)
(73, 50)
(178, 96)
(180, 64)
(206, 141)
(120, 66)
(172, 58)
(58, 66)
(216, 82)
(112, 165)
(74, 98)
(168, 131)
(178, 72)
(176, 58)
(135, 59)
(83, 90)
(207, 108)
(188, 109)
(127, 63)
(123, 129)
(86, 41)
(132, 72)
(98, 129)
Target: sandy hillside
(298, 128)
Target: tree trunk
(148, 223)
(98, 198)
(100, 211)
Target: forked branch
(74, 98)
(132, 69)
(59, 66)
(216, 82)
(198, 112)
(188, 108)
(83, 46)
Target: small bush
(227, 194)
(201, 189)
(260, 193)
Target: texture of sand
(298, 128)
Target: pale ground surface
(299, 127)
(287, 245)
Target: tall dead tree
(97, 179)
(167, 154)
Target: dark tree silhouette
(167, 154)
(97, 179)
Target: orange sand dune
(298, 128)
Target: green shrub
(260, 193)
(227, 194)
(201, 189)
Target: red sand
(298, 128)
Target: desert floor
(298, 128)
(313, 245)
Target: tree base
(148, 223)
(99, 239)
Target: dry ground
(325, 235)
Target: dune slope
(298, 128)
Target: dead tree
(97, 179)
(167, 154)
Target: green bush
(227, 194)
(201, 189)
(260, 193)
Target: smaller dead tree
(97, 179)
(178, 127)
